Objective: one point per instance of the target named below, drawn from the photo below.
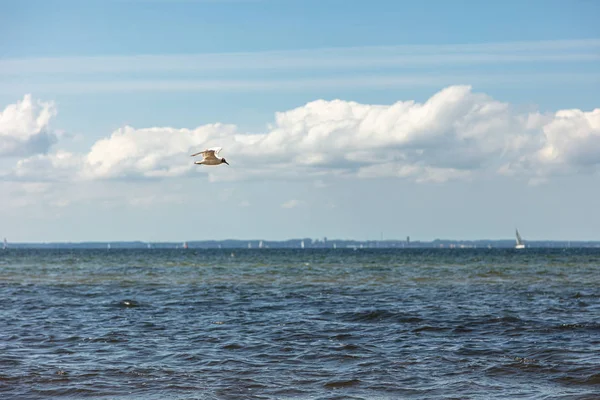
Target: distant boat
(302, 244)
(520, 244)
(185, 245)
(5, 245)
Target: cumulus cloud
(24, 128)
(455, 134)
(568, 143)
(58, 166)
(152, 152)
(572, 138)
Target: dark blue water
(300, 324)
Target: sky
(340, 119)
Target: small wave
(342, 336)
(341, 384)
(379, 316)
(111, 337)
(579, 326)
(128, 303)
(66, 392)
(232, 346)
(593, 379)
(429, 328)
(349, 347)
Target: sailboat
(520, 244)
(5, 245)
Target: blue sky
(432, 119)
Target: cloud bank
(456, 134)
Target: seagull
(209, 157)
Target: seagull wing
(208, 153)
(215, 150)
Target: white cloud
(455, 134)
(569, 143)
(24, 128)
(572, 138)
(419, 174)
(57, 166)
(291, 204)
(151, 152)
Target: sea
(300, 324)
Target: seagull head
(223, 160)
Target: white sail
(520, 244)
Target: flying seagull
(209, 157)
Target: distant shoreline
(305, 243)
